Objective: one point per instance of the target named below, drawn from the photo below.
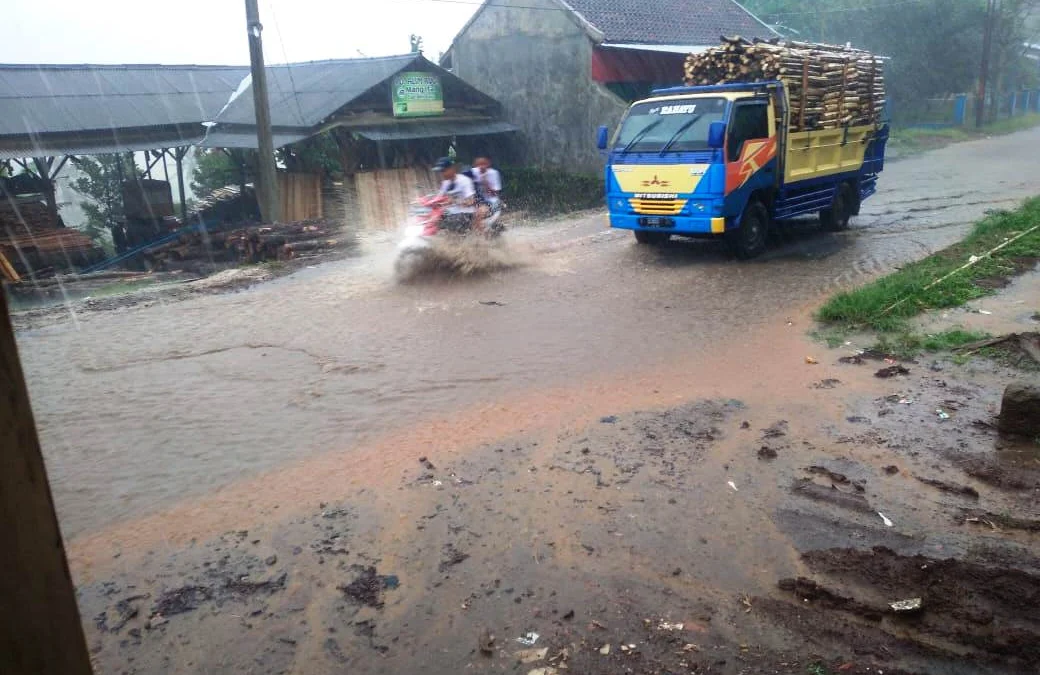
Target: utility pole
(267, 190)
(987, 46)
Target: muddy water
(142, 408)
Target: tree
(215, 169)
(934, 46)
(102, 183)
(317, 154)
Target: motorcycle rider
(489, 183)
(462, 213)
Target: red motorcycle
(425, 228)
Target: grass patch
(885, 304)
(907, 344)
(916, 139)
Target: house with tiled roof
(561, 68)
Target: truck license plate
(655, 222)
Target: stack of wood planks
(279, 241)
(828, 86)
(33, 244)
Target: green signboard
(417, 95)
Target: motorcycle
(425, 229)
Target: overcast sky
(213, 31)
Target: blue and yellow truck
(723, 161)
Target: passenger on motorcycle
(462, 214)
(489, 184)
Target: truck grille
(658, 207)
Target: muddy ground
(707, 537)
(592, 441)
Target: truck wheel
(837, 217)
(750, 239)
(651, 238)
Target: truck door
(750, 147)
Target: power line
(288, 65)
(863, 8)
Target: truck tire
(750, 239)
(651, 238)
(837, 217)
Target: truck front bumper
(680, 225)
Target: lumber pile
(278, 241)
(828, 86)
(34, 245)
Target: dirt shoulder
(738, 534)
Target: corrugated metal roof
(671, 22)
(246, 138)
(41, 99)
(14, 147)
(305, 94)
(94, 109)
(436, 129)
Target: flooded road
(142, 408)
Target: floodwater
(141, 409)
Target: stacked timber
(279, 241)
(828, 86)
(35, 245)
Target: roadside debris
(885, 520)
(942, 414)
(452, 557)
(427, 464)
(1020, 410)
(953, 488)
(156, 621)
(1020, 345)
(486, 642)
(775, 430)
(891, 469)
(532, 655)
(892, 371)
(766, 452)
(548, 670)
(492, 303)
(906, 606)
(609, 419)
(604, 650)
(671, 627)
(745, 600)
(528, 639)
(733, 485)
(811, 361)
(367, 588)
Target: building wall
(537, 63)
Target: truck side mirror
(717, 135)
(601, 138)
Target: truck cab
(719, 161)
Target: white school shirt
(459, 188)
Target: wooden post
(178, 157)
(267, 178)
(40, 630)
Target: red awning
(632, 65)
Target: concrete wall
(537, 64)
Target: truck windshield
(669, 126)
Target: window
(750, 121)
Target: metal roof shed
(52, 112)
(355, 94)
